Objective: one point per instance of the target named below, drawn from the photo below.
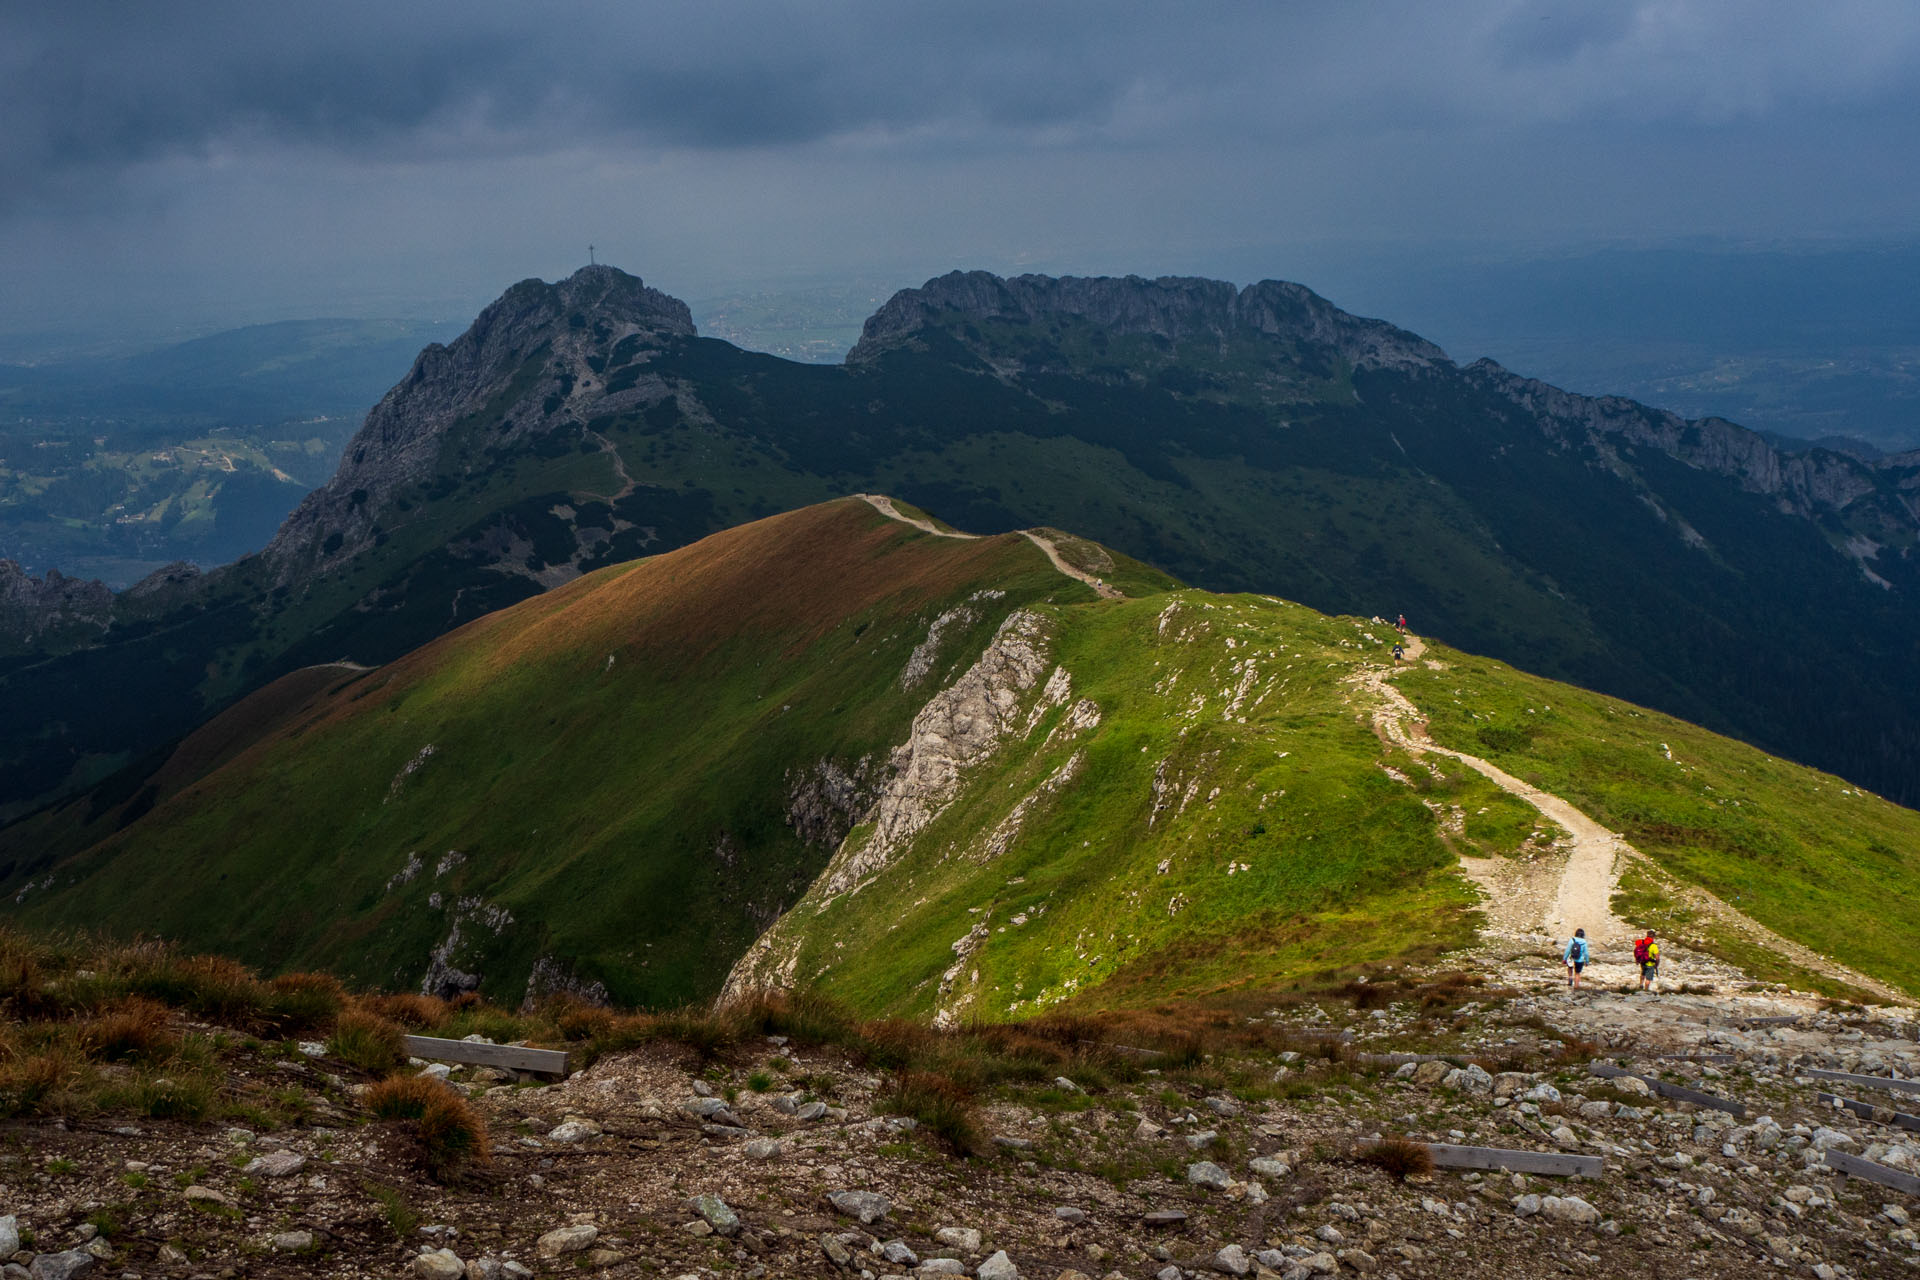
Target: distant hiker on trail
(1576, 957)
(1401, 625)
(1646, 954)
(1398, 653)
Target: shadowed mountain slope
(1243, 439)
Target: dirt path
(884, 505)
(627, 482)
(1581, 896)
(1100, 588)
(1535, 901)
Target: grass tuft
(451, 1136)
(1398, 1157)
(367, 1041)
(942, 1107)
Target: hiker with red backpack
(1646, 954)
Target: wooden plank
(1883, 1082)
(543, 1061)
(1855, 1167)
(1447, 1156)
(1677, 1093)
(1867, 1111)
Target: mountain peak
(1172, 308)
(557, 338)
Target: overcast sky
(172, 163)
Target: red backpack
(1640, 951)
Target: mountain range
(1241, 439)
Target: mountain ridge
(944, 777)
(1254, 439)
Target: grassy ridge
(1196, 847)
(610, 763)
(623, 782)
(1807, 854)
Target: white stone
(1233, 1261)
(440, 1264)
(567, 1240)
(1207, 1174)
(998, 1267)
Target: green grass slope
(1804, 853)
(933, 777)
(603, 773)
(1225, 823)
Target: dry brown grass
(136, 1029)
(418, 1012)
(451, 1137)
(1399, 1157)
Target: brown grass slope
(611, 763)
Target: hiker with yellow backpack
(1646, 954)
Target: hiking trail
(1529, 902)
(884, 505)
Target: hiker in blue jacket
(1576, 957)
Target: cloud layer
(374, 141)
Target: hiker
(1646, 954)
(1397, 653)
(1401, 625)
(1576, 957)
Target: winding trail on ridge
(884, 505)
(1582, 896)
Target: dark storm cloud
(88, 88)
(353, 149)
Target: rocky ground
(775, 1162)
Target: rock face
(56, 608)
(534, 348)
(1879, 499)
(957, 728)
(1172, 308)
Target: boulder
(1207, 1174)
(291, 1242)
(867, 1206)
(574, 1129)
(276, 1164)
(717, 1214)
(899, 1253)
(1233, 1261)
(998, 1267)
(1471, 1078)
(9, 1236)
(1570, 1210)
(964, 1238)
(567, 1240)
(439, 1264)
(61, 1266)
